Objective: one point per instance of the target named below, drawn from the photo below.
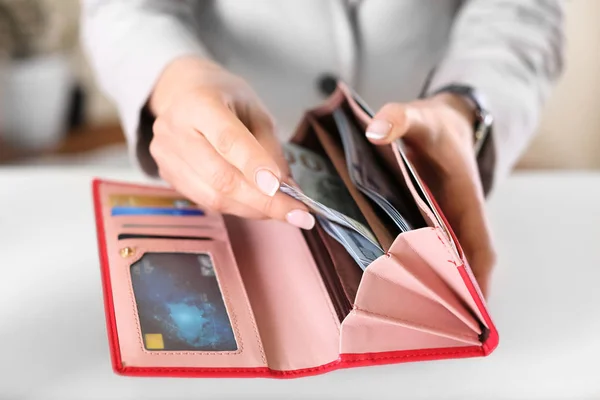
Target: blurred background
(51, 111)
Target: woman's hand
(439, 137)
(214, 142)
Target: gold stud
(126, 252)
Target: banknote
(329, 213)
(319, 180)
(322, 190)
(363, 251)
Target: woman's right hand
(214, 142)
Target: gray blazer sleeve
(512, 51)
(129, 43)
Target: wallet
(192, 293)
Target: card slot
(164, 226)
(166, 220)
(139, 197)
(213, 228)
(183, 233)
(124, 236)
(182, 303)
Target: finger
(235, 143)
(396, 120)
(185, 180)
(263, 128)
(228, 183)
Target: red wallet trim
(492, 340)
(346, 361)
(111, 324)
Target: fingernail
(301, 219)
(378, 129)
(266, 182)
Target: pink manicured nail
(378, 129)
(301, 219)
(266, 182)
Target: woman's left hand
(438, 135)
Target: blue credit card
(128, 204)
(129, 210)
(179, 303)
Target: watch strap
(483, 119)
(484, 146)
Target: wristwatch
(483, 118)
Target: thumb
(396, 120)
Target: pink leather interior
(250, 351)
(297, 321)
(407, 253)
(368, 333)
(429, 248)
(395, 291)
(279, 307)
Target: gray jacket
(510, 50)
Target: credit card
(329, 213)
(129, 200)
(156, 211)
(179, 303)
(125, 204)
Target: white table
(545, 302)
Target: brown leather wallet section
(339, 271)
